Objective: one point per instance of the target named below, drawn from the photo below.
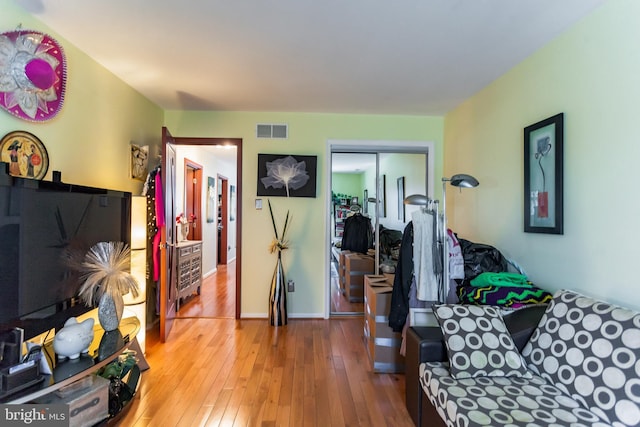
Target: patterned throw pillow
(590, 350)
(478, 342)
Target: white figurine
(74, 338)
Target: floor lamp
(137, 305)
(462, 181)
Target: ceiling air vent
(272, 131)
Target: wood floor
(217, 296)
(223, 372)
(339, 302)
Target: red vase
(543, 204)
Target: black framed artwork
(211, 198)
(232, 203)
(287, 175)
(401, 199)
(382, 196)
(543, 176)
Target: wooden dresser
(189, 269)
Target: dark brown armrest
(424, 343)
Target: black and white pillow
(590, 349)
(478, 342)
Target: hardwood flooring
(226, 372)
(339, 302)
(217, 296)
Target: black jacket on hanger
(357, 233)
(402, 282)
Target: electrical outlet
(291, 286)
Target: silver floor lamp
(462, 181)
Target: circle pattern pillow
(478, 342)
(590, 349)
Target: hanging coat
(358, 234)
(402, 282)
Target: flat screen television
(40, 221)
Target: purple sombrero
(33, 72)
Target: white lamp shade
(138, 222)
(138, 249)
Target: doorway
(193, 198)
(201, 183)
(370, 178)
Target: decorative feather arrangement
(105, 270)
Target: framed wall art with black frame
(287, 175)
(401, 199)
(382, 196)
(543, 181)
(211, 198)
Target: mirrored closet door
(368, 218)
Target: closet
(376, 177)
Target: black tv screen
(41, 222)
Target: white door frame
(366, 146)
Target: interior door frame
(193, 196)
(367, 146)
(236, 142)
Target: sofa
(574, 361)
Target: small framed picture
(543, 182)
(382, 196)
(401, 199)
(139, 161)
(211, 198)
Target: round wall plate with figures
(26, 155)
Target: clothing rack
(429, 206)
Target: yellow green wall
(304, 262)
(413, 168)
(348, 183)
(88, 140)
(591, 73)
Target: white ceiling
(419, 57)
(352, 162)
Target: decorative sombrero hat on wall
(33, 73)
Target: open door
(168, 238)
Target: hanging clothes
(417, 249)
(402, 281)
(456, 260)
(153, 243)
(160, 222)
(358, 234)
(424, 253)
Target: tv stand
(105, 347)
